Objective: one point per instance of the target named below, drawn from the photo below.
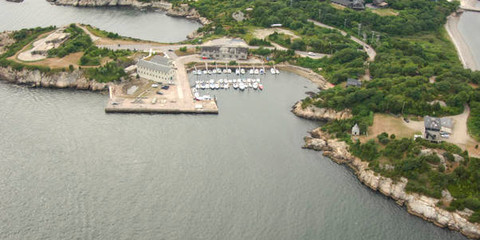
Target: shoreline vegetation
(414, 65)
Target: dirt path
(367, 48)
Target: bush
(383, 138)
(183, 49)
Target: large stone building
(159, 69)
(224, 52)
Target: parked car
(166, 87)
(311, 54)
(406, 120)
(159, 93)
(154, 85)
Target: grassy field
(385, 12)
(389, 124)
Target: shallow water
(468, 27)
(147, 25)
(68, 170)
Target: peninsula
(402, 110)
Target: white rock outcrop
(418, 205)
(321, 114)
(36, 78)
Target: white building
(355, 130)
(158, 69)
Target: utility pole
(345, 23)
(373, 34)
(359, 29)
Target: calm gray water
(468, 27)
(147, 25)
(70, 171)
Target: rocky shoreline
(320, 114)
(35, 78)
(183, 10)
(416, 204)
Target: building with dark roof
(353, 4)
(158, 69)
(437, 128)
(354, 83)
(224, 52)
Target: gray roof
(354, 82)
(153, 66)
(355, 4)
(446, 122)
(160, 60)
(225, 49)
(432, 123)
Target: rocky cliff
(183, 10)
(320, 114)
(418, 205)
(35, 78)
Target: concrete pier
(147, 98)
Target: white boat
(256, 71)
(229, 71)
(249, 80)
(241, 86)
(220, 81)
(277, 72)
(226, 86)
(234, 81)
(251, 71)
(242, 71)
(214, 71)
(249, 85)
(262, 71)
(237, 71)
(219, 71)
(217, 86)
(212, 86)
(255, 85)
(225, 71)
(205, 72)
(235, 86)
(258, 80)
(272, 70)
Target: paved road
(368, 49)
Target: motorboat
(260, 86)
(235, 86)
(277, 72)
(241, 86)
(255, 85)
(237, 71)
(251, 71)
(229, 71)
(242, 71)
(256, 71)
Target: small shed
(354, 83)
(355, 130)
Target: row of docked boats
(240, 84)
(238, 71)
